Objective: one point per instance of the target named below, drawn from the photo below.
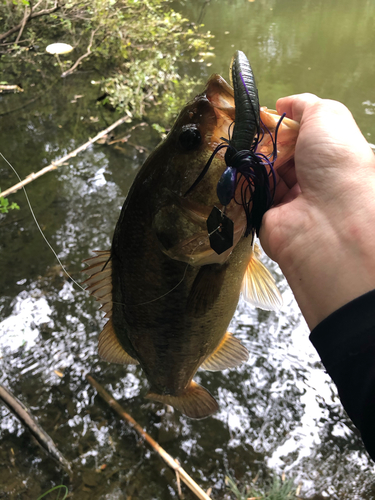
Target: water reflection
(279, 411)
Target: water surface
(279, 411)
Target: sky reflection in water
(279, 411)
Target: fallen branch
(32, 15)
(31, 101)
(10, 88)
(80, 59)
(180, 472)
(23, 414)
(56, 163)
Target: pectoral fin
(194, 402)
(205, 289)
(258, 286)
(229, 354)
(110, 348)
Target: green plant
(140, 46)
(277, 489)
(152, 43)
(54, 489)
(5, 206)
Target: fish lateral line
(218, 228)
(176, 286)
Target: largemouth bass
(167, 294)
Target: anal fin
(259, 287)
(229, 354)
(194, 402)
(110, 348)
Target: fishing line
(178, 284)
(72, 279)
(39, 228)
(157, 298)
(63, 267)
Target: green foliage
(5, 206)
(142, 45)
(278, 489)
(151, 41)
(20, 2)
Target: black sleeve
(345, 342)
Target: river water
(279, 412)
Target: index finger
(295, 105)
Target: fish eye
(190, 137)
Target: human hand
(321, 230)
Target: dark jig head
(245, 166)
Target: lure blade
(220, 229)
(226, 186)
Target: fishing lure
(246, 167)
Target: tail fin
(194, 402)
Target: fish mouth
(221, 96)
(190, 242)
(196, 250)
(200, 214)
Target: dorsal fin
(110, 348)
(258, 286)
(229, 354)
(194, 402)
(99, 282)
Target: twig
(79, 60)
(56, 163)
(25, 18)
(31, 101)
(23, 413)
(10, 88)
(178, 481)
(33, 15)
(12, 43)
(165, 456)
(127, 136)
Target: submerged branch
(80, 59)
(56, 163)
(10, 88)
(180, 472)
(24, 21)
(32, 15)
(23, 414)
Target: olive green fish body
(167, 295)
(172, 335)
(156, 315)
